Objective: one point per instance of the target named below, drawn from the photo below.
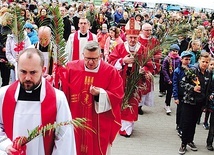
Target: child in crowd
(210, 110)
(195, 51)
(196, 84)
(113, 39)
(178, 92)
(102, 35)
(170, 63)
(207, 111)
(31, 33)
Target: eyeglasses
(93, 59)
(27, 28)
(83, 23)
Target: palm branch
(18, 25)
(58, 30)
(169, 35)
(47, 129)
(55, 21)
(133, 84)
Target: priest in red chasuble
(130, 58)
(95, 92)
(151, 43)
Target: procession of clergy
(94, 90)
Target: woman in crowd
(113, 39)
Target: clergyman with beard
(30, 102)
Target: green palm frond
(58, 30)
(18, 24)
(45, 129)
(170, 34)
(134, 82)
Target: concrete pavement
(155, 134)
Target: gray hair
(92, 46)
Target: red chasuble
(130, 114)
(76, 45)
(48, 112)
(150, 44)
(106, 124)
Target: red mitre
(132, 27)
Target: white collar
(94, 70)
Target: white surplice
(28, 115)
(82, 43)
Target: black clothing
(29, 96)
(5, 73)
(83, 35)
(4, 66)
(67, 28)
(4, 31)
(193, 101)
(122, 22)
(43, 21)
(76, 22)
(192, 97)
(43, 49)
(183, 45)
(211, 131)
(190, 114)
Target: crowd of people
(112, 55)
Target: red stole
(76, 45)
(48, 113)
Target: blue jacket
(33, 37)
(178, 74)
(117, 17)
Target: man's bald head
(44, 34)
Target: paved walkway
(155, 134)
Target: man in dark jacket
(182, 42)
(4, 65)
(67, 23)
